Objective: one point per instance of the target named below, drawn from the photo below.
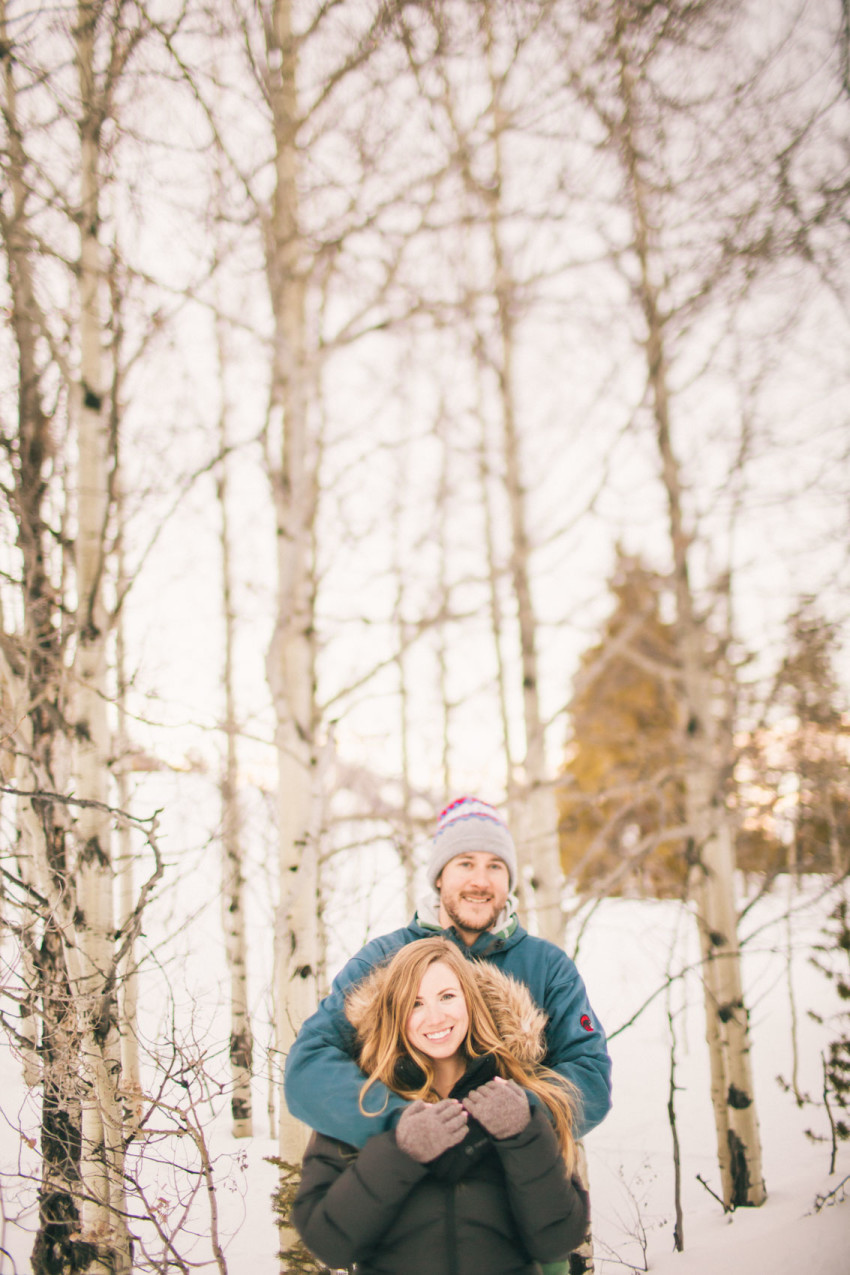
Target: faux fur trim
(519, 1021)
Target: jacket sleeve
(348, 1199)
(550, 1209)
(575, 1042)
(322, 1082)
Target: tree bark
(128, 977)
(35, 677)
(712, 876)
(291, 656)
(405, 830)
(233, 873)
(537, 818)
(91, 958)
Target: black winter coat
(486, 1207)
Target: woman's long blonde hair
(381, 1016)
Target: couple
(447, 1146)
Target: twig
(726, 1208)
(821, 1200)
(832, 1128)
(679, 1227)
(669, 980)
(84, 803)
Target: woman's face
(439, 1020)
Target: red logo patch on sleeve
(586, 1023)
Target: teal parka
(323, 1081)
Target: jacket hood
(519, 1021)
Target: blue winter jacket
(322, 1081)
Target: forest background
(403, 399)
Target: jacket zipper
(451, 1230)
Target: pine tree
(793, 792)
(819, 746)
(621, 787)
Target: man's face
(473, 890)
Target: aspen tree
(128, 980)
(32, 667)
(536, 810)
(35, 682)
(92, 957)
(291, 656)
(704, 140)
(292, 450)
(444, 594)
(533, 810)
(233, 873)
(497, 621)
(405, 832)
(727, 1030)
(59, 659)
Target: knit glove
(501, 1106)
(427, 1129)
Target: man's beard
(476, 924)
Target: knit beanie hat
(468, 825)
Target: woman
(474, 1180)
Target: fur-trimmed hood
(519, 1021)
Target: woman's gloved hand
(501, 1106)
(427, 1129)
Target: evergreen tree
(819, 750)
(621, 796)
(793, 792)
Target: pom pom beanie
(468, 825)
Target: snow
(783, 1236)
(624, 956)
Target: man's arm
(576, 1045)
(322, 1082)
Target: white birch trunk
(34, 679)
(37, 688)
(290, 661)
(29, 835)
(233, 874)
(538, 820)
(497, 624)
(727, 1029)
(738, 1139)
(128, 978)
(91, 961)
(405, 847)
(444, 595)
(534, 814)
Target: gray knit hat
(468, 825)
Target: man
(472, 870)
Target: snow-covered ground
(624, 956)
(624, 959)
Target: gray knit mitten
(427, 1129)
(501, 1106)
